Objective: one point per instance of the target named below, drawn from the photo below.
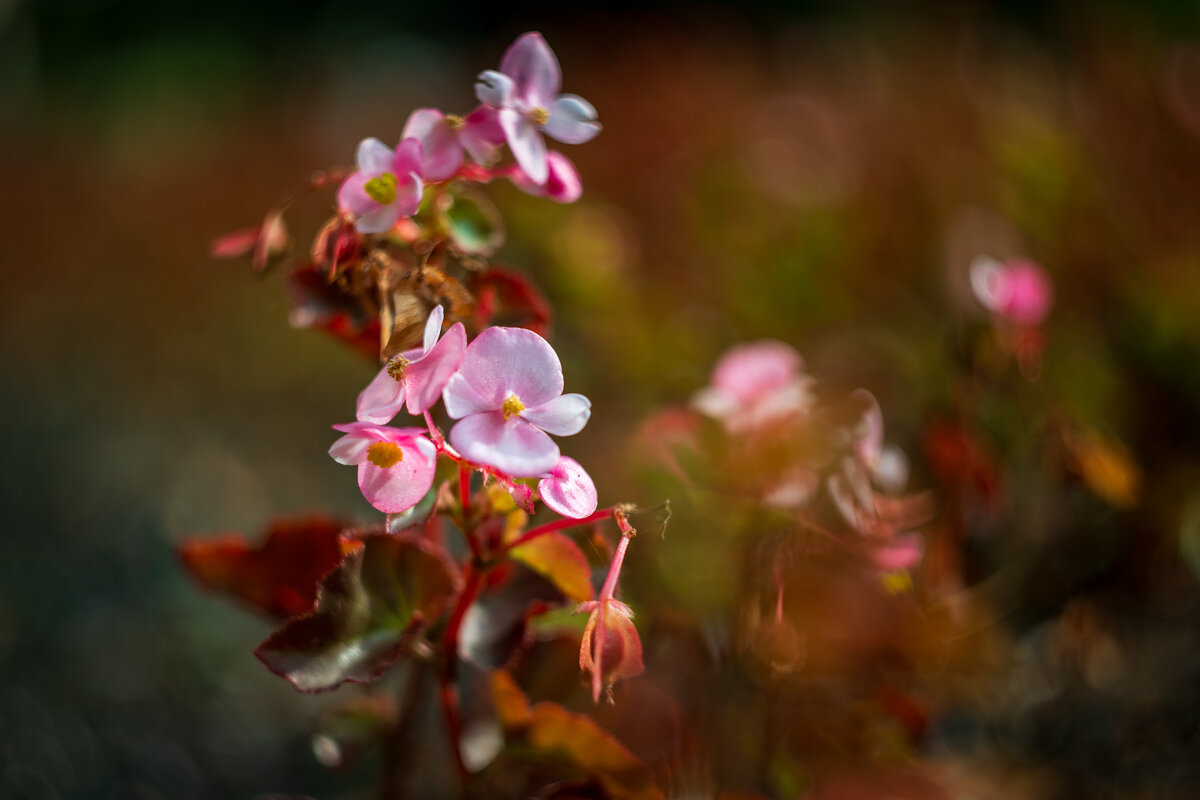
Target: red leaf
(369, 608)
(503, 297)
(324, 306)
(280, 576)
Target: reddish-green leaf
(496, 627)
(503, 297)
(368, 610)
(281, 575)
(554, 734)
(556, 556)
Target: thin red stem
(550, 527)
(447, 691)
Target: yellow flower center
(455, 123)
(385, 455)
(396, 367)
(539, 115)
(512, 405)
(382, 188)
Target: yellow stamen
(897, 582)
(396, 367)
(382, 188)
(512, 405)
(385, 455)
(455, 123)
(539, 116)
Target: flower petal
(427, 377)
(374, 157)
(462, 399)
(441, 154)
(562, 184)
(516, 360)
(352, 197)
(526, 144)
(563, 416)
(400, 487)
(572, 120)
(569, 489)
(481, 134)
(408, 195)
(380, 220)
(494, 88)
(381, 400)
(408, 158)
(531, 64)
(510, 445)
(351, 448)
(751, 371)
(902, 552)
(433, 328)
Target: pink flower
(562, 184)
(755, 385)
(1019, 291)
(415, 377)
(386, 186)
(568, 489)
(443, 138)
(508, 394)
(525, 90)
(395, 465)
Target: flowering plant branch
(401, 271)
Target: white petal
(374, 157)
(526, 144)
(494, 88)
(572, 120)
(433, 327)
(563, 416)
(532, 65)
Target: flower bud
(611, 649)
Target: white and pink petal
(569, 490)
(511, 445)
(565, 415)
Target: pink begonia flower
(525, 90)
(562, 183)
(386, 186)
(416, 377)
(508, 394)
(443, 138)
(754, 385)
(568, 489)
(395, 465)
(1019, 291)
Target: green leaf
(473, 224)
(369, 608)
(556, 556)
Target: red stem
(550, 527)
(447, 692)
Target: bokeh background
(821, 173)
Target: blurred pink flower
(568, 489)
(508, 395)
(562, 184)
(395, 465)
(415, 377)
(1019, 291)
(525, 91)
(443, 138)
(754, 385)
(386, 186)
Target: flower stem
(550, 527)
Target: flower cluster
(519, 103)
(505, 390)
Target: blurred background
(820, 173)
